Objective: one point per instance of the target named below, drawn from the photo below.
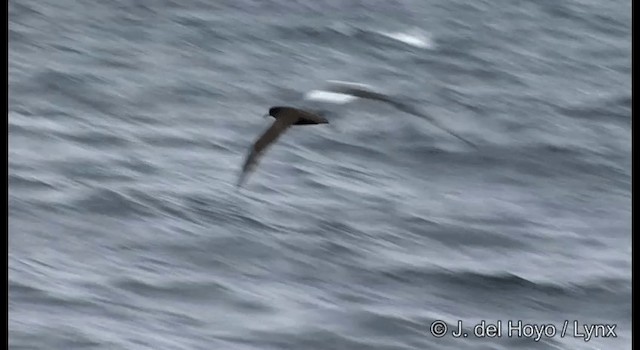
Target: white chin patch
(331, 97)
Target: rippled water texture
(128, 125)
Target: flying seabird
(284, 118)
(337, 92)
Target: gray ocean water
(129, 122)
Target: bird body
(285, 117)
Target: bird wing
(360, 91)
(279, 126)
(357, 90)
(314, 117)
(410, 110)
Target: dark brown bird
(285, 118)
(288, 116)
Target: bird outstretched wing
(279, 126)
(361, 91)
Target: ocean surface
(129, 122)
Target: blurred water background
(129, 122)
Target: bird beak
(266, 115)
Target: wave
(505, 282)
(177, 290)
(37, 296)
(28, 182)
(613, 109)
(112, 202)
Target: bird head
(274, 112)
